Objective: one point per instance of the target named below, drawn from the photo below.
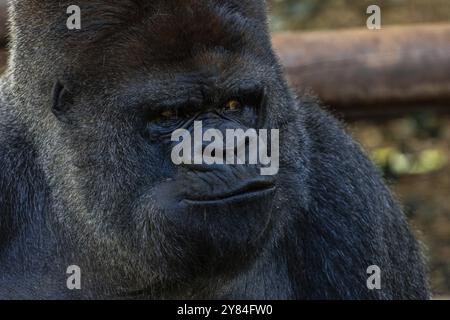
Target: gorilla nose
(236, 151)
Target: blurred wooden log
(3, 19)
(395, 66)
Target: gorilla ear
(62, 102)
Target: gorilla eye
(233, 105)
(169, 115)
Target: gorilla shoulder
(353, 214)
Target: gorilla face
(116, 108)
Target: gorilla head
(98, 106)
(134, 73)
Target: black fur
(100, 191)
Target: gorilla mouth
(248, 190)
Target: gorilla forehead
(137, 35)
(163, 27)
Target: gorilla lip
(250, 189)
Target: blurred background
(391, 87)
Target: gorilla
(87, 179)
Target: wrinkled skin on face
(99, 111)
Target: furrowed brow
(160, 96)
